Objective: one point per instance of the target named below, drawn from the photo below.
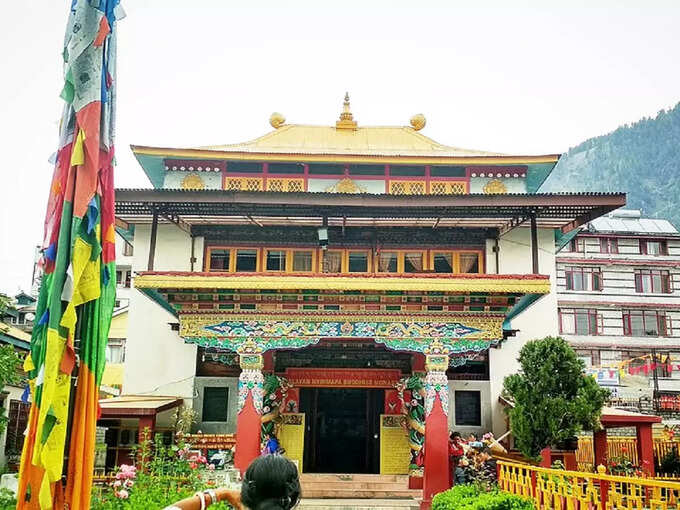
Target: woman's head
(454, 436)
(271, 483)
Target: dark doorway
(343, 429)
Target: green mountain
(642, 159)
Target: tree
(9, 366)
(554, 398)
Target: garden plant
(553, 398)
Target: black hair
(454, 435)
(271, 483)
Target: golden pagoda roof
(346, 138)
(360, 141)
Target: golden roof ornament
(346, 118)
(277, 120)
(418, 121)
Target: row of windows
(252, 260)
(583, 321)
(647, 281)
(242, 167)
(611, 245)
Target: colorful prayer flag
(77, 291)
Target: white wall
(157, 360)
(538, 321)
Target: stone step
(328, 477)
(337, 484)
(358, 504)
(344, 493)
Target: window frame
(666, 282)
(348, 252)
(456, 259)
(664, 323)
(571, 271)
(609, 245)
(455, 403)
(577, 242)
(265, 260)
(593, 318)
(226, 403)
(644, 247)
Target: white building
(619, 302)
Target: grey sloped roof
(632, 226)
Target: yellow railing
(620, 447)
(553, 489)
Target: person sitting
(462, 471)
(271, 483)
(271, 445)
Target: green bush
(554, 399)
(7, 501)
(670, 463)
(470, 497)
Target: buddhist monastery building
(353, 274)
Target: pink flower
(122, 494)
(117, 483)
(129, 483)
(193, 465)
(211, 467)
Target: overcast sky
(537, 77)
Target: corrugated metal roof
(632, 226)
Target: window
(468, 263)
(215, 403)
(652, 281)
(406, 171)
(443, 262)
(388, 262)
(115, 350)
(358, 262)
(219, 259)
(119, 277)
(648, 247)
(468, 408)
(332, 261)
(456, 262)
(243, 167)
(286, 168)
(276, 260)
(447, 171)
(128, 251)
(367, 169)
(246, 261)
(577, 245)
(579, 321)
(413, 262)
(302, 261)
(645, 323)
(128, 279)
(583, 278)
(609, 245)
(325, 169)
(17, 421)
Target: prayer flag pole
(78, 285)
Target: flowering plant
(164, 474)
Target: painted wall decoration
(251, 382)
(456, 335)
(411, 392)
(274, 395)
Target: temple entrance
(343, 429)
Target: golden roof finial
(346, 118)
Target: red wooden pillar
(645, 447)
(600, 449)
(436, 477)
(146, 422)
(249, 419)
